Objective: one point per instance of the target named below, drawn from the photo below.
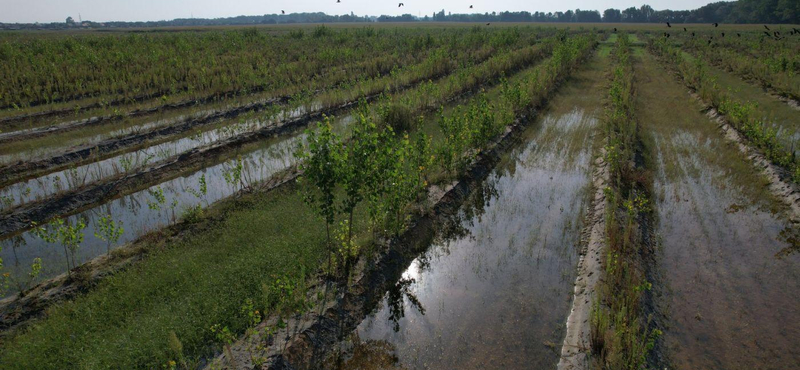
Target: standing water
(730, 295)
(159, 205)
(493, 291)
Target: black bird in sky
(615, 29)
(338, 1)
(738, 34)
(283, 12)
(716, 24)
(723, 34)
(669, 25)
(709, 42)
(488, 24)
(401, 4)
(470, 6)
(765, 26)
(692, 34)
(684, 29)
(767, 33)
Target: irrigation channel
(729, 294)
(494, 288)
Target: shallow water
(56, 182)
(39, 148)
(494, 289)
(140, 212)
(729, 302)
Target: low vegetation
(740, 114)
(621, 338)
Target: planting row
(620, 333)
(134, 66)
(395, 168)
(768, 65)
(741, 114)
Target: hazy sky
(28, 11)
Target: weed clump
(399, 117)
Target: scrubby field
(402, 197)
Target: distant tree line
(742, 11)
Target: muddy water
(47, 185)
(141, 212)
(493, 291)
(729, 302)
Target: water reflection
(494, 287)
(60, 181)
(159, 205)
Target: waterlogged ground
(730, 302)
(778, 115)
(493, 291)
(141, 212)
(59, 181)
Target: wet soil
(728, 293)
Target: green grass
(186, 288)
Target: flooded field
(64, 180)
(458, 193)
(493, 291)
(161, 204)
(728, 296)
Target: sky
(29, 11)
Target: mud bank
(576, 348)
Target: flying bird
(470, 6)
(669, 25)
(283, 12)
(716, 24)
(615, 29)
(738, 34)
(401, 4)
(723, 34)
(488, 24)
(767, 33)
(692, 34)
(684, 29)
(765, 26)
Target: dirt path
(727, 297)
